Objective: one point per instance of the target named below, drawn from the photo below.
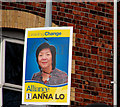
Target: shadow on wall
(97, 105)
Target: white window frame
(1, 72)
(4, 85)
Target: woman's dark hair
(53, 51)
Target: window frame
(3, 70)
(3, 84)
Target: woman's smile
(44, 62)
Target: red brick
(82, 41)
(76, 30)
(86, 82)
(70, 24)
(85, 10)
(61, 13)
(74, 85)
(62, 4)
(37, 9)
(86, 14)
(86, 73)
(85, 19)
(98, 8)
(79, 26)
(87, 42)
(37, 4)
(77, 8)
(111, 11)
(82, 14)
(83, 32)
(94, 57)
(73, 53)
(87, 64)
(76, 67)
(90, 6)
(69, 6)
(83, 23)
(78, 76)
(77, 17)
(110, 20)
(108, 95)
(87, 37)
(54, 8)
(28, 3)
(91, 33)
(95, 30)
(6, 3)
(87, 46)
(90, 60)
(78, 94)
(82, 5)
(63, 23)
(92, 16)
(62, 9)
(99, 26)
(102, 67)
(69, 15)
(75, 3)
(74, 57)
(80, 58)
(33, 4)
(87, 28)
(54, 3)
(94, 3)
(9, 8)
(3, 7)
(87, 78)
(79, 63)
(42, 5)
(76, 12)
(73, 75)
(109, 7)
(79, 72)
(91, 25)
(78, 90)
(43, 10)
(78, 99)
(72, 80)
(107, 82)
(93, 21)
(54, 12)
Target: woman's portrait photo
(46, 60)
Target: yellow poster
(47, 66)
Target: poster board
(47, 66)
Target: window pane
(13, 63)
(11, 98)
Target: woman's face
(45, 58)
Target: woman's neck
(45, 76)
(46, 73)
(47, 70)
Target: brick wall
(92, 59)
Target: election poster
(47, 66)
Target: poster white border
(69, 65)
